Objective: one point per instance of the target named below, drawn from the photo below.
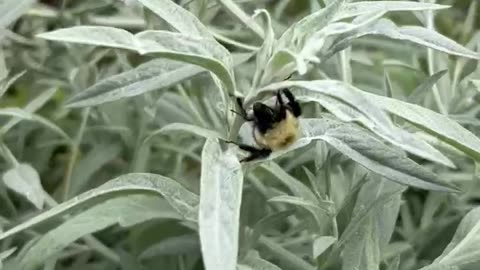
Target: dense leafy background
(113, 117)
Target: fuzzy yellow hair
(283, 134)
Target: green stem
(194, 110)
(436, 95)
(75, 150)
(141, 152)
(345, 64)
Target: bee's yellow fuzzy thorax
(283, 134)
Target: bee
(274, 127)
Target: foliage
(115, 116)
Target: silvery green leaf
(281, 65)
(382, 159)
(94, 35)
(364, 7)
(268, 45)
(5, 83)
(189, 25)
(197, 50)
(464, 246)
(265, 52)
(372, 224)
(175, 245)
(285, 258)
(316, 209)
(182, 200)
(435, 40)
(294, 36)
(266, 223)
(221, 185)
(90, 163)
(3, 68)
(418, 35)
(5, 254)
(316, 41)
(421, 90)
(178, 17)
(152, 75)
(397, 136)
(243, 267)
(298, 188)
(394, 264)
(25, 115)
(25, 180)
(299, 43)
(233, 8)
(126, 210)
(196, 130)
(431, 122)
(12, 10)
(321, 244)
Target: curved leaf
(382, 159)
(197, 50)
(415, 34)
(434, 123)
(221, 193)
(295, 34)
(203, 132)
(12, 10)
(366, 7)
(397, 136)
(464, 247)
(178, 17)
(182, 200)
(25, 115)
(152, 75)
(372, 224)
(125, 210)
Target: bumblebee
(274, 127)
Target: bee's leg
(255, 153)
(281, 108)
(292, 103)
(279, 98)
(243, 112)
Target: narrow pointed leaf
(182, 200)
(432, 122)
(365, 7)
(153, 75)
(464, 247)
(126, 210)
